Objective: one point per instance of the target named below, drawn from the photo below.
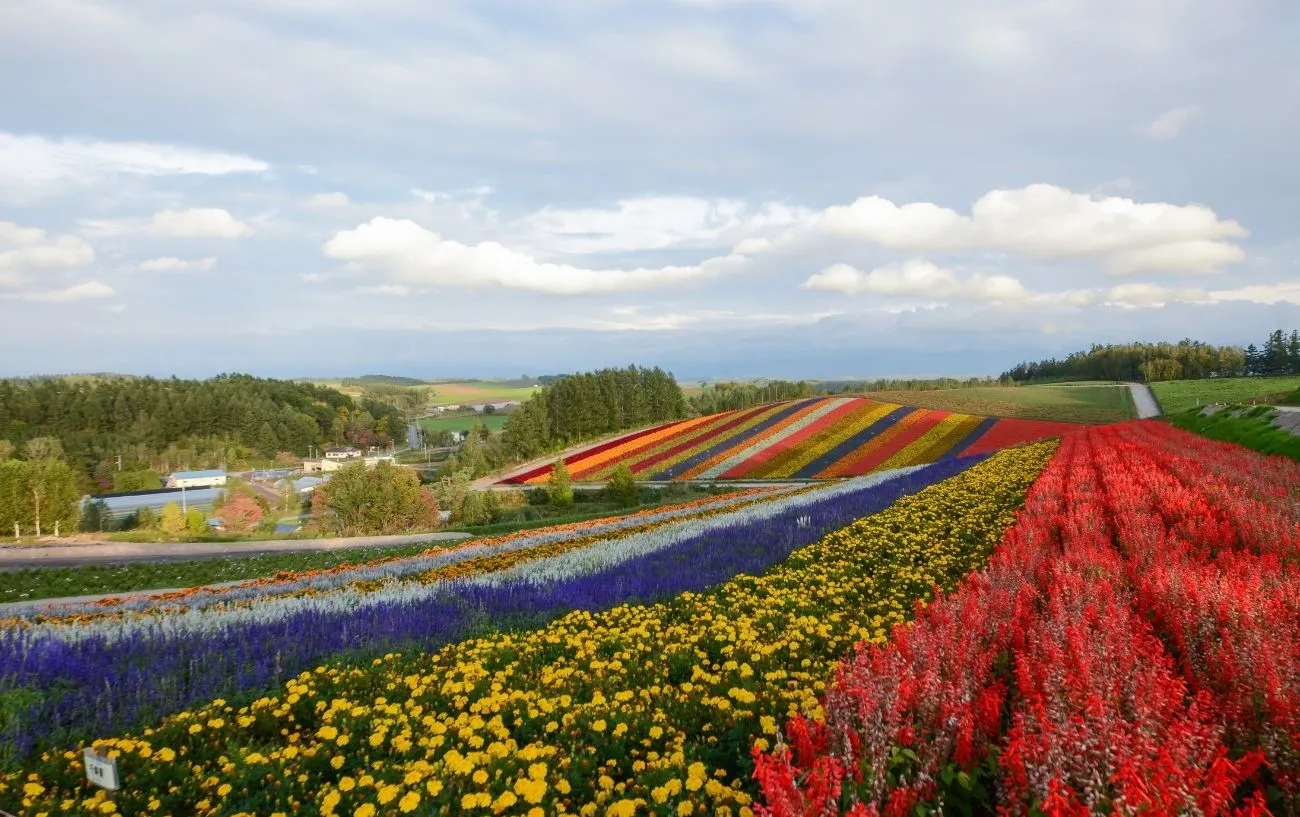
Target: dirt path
(12, 557)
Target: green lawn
(494, 422)
(1249, 426)
(1176, 396)
(1071, 403)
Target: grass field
(478, 391)
(455, 392)
(1176, 396)
(494, 422)
(1250, 426)
(1069, 403)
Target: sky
(726, 188)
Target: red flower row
(1134, 645)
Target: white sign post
(101, 771)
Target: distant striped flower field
(817, 438)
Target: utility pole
(184, 507)
(119, 462)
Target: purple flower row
(90, 687)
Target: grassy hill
(1176, 396)
(1260, 428)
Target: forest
(172, 424)
(581, 406)
(1151, 362)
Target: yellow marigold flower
(364, 810)
(409, 801)
(195, 728)
(223, 789)
(599, 725)
(434, 787)
(107, 807)
(623, 808)
(166, 755)
(387, 794)
(327, 733)
(33, 789)
(347, 784)
(684, 808)
(480, 776)
(504, 801)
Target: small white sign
(101, 771)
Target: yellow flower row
(642, 709)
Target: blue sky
(810, 188)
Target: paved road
(1144, 401)
(12, 558)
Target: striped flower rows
(816, 438)
(111, 672)
(431, 562)
(642, 696)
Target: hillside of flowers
(630, 672)
(1133, 647)
(816, 438)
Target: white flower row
(597, 556)
(380, 570)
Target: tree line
(169, 424)
(732, 396)
(1279, 355)
(1186, 360)
(580, 406)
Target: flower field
(1132, 647)
(631, 672)
(818, 438)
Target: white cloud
(327, 200)
(86, 291)
(1260, 293)
(1041, 222)
(36, 160)
(1170, 123)
(172, 264)
(385, 289)
(198, 222)
(918, 278)
(656, 222)
(410, 255)
(1139, 296)
(28, 249)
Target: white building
(328, 465)
(342, 454)
(197, 479)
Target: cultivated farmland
(1067, 402)
(817, 438)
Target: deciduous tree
(240, 513)
(559, 486)
(172, 521)
(622, 486)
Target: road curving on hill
(1144, 402)
(12, 558)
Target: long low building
(197, 479)
(121, 506)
